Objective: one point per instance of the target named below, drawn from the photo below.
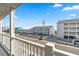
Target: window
(65, 37)
(65, 28)
(72, 33)
(77, 23)
(73, 28)
(77, 33)
(72, 37)
(72, 24)
(77, 27)
(65, 24)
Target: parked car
(76, 41)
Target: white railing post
(12, 28)
(49, 49)
(1, 30)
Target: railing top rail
(30, 42)
(24, 40)
(5, 34)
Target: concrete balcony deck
(3, 52)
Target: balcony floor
(3, 52)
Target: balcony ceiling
(6, 7)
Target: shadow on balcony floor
(3, 52)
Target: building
(27, 31)
(68, 29)
(5, 29)
(18, 30)
(46, 30)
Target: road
(32, 39)
(64, 46)
(67, 48)
(34, 36)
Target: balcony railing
(25, 47)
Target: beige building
(47, 30)
(68, 29)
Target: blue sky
(32, 14)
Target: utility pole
(43, 22)
(43, 27)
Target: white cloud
(69, 18)
(57, 5)
(16, 17)
(34, 20)
(75, 7)
(72, 16)
(47, 14)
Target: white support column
(12, 29)
(1, 39)
(68, 31)
(49, 49)
(12, 23)
(0, 26)
(76, 30)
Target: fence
(26, 47)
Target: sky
(29, 15)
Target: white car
(76, 41)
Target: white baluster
(39, 51)
(35, 51)
(27, 49)
(20, 49)
(24, 49)
(32, 50)
(43, 52)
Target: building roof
(68, 20)
(42, 27)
